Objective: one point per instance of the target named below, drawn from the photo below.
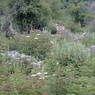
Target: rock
(28, 36)
(17, 55)
(40, 75)
(25, 59)
(13, 54)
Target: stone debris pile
(22, 58)
(17, 55)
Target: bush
(31, 13)
(74, 27)
(52, 29)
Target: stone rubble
(28, 59)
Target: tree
(31, 13)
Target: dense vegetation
(38, 60)
(27, 14)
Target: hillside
(47, 47)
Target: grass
(70, 69)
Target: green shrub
(37, 15)
(74, 27)
(52, 29)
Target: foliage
(31, 14)
(74, 27)
(52, 28)
(39, 13)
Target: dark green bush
(31, 13)
(53, 30)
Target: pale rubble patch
(51, 42)
(28, 36)
(54, 75)
(17, 55)
(38, 34)
(57, 63)
(36, 38)
(42, 75)
(20, 58)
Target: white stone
(36, 38)
(33, 75)
(27, 36)
(39, 73)
(45, 73)
(51, 42)
(38, 34)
